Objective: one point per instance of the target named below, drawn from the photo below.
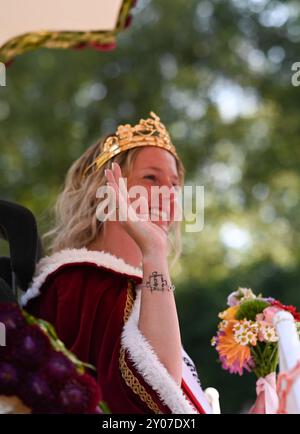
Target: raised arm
(158, 319)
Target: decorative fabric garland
(102, 40)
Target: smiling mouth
(158, 214)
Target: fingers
(112, 183)
(121, 195)
(114, 175)
(110, 177)
(123, 188)
(116, 180)
(144, 209)
(117, 172)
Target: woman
(107, 288)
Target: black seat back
(6, 294)
(5, 270)
(18, 227)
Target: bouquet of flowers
(247, 341)
(37, 373)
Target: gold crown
(149, 132)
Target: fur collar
(147, 363)
(49, 264)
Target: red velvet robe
(89, 297)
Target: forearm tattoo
(157, 282)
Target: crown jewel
(148, 132)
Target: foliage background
(219, 75)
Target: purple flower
(80, 395)
(235, 368)
(5, 353)
(58, 367)
(31, 346)
(12, 318)
(9, 378)
(269, 300)
(36, 392)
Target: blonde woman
(106, 286)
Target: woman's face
(156, 167)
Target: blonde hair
(76, 224)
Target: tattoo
(156, 282)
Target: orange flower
(234, 356)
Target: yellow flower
(229, 314)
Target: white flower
(223, 324)
(245, 332)
(267, 333)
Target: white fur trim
(147, 363)
(49, 264)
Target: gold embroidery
(126, 372)
(129, 300)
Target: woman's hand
(150, 237)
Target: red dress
(90, 299)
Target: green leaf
(250, 308)
(265, 356)
(103, 406)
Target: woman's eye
(152, 177)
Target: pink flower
(232, 299)
(269, 313)
(240, 295)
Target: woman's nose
(167, 182)
(168, 192)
